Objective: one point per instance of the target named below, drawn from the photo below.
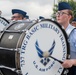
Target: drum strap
(69, 29)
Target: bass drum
(10, 43)
(43, 49)
(5, 71)
(3, 23)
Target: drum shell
(5, 71)
(10, 40)
(7, 58)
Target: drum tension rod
(11, 49)
(14, 31)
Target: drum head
(3, 23)
(43, 40)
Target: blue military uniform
(72, 42)
(71, 32)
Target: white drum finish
(43, 40)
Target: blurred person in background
(73, 22)
(18, 14)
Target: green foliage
(73, 5)
(71, 2)
(55, 9)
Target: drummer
(18, 14)
(64, 16)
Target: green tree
(72, 4)
(55, 9)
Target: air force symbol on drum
(44, 55)
(43, 40)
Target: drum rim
(63, 31)
(4, 19)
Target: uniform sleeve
(72, 42)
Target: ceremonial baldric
(69, 29)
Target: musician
(64, 16)
(74, 22)
(18, 14)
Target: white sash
(69, 29)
